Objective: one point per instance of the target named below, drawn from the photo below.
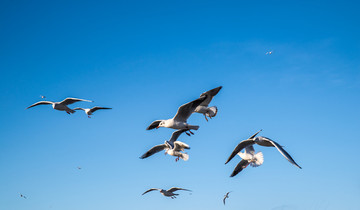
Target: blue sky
(144, 59)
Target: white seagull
(168, 193)
(91, 111)
(61, 106)
(226, 196)
(249, 156)
(179, 121)
(171, 147)
(269, 52)
(203, 107)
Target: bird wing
(97, 108)
(173, 189)
(250, 149)
(210, 95)
(239, 167)
(68, 101)
(180, 146)
(78, 108)
(149, 190)
(40, 103)
(153, 125)
(253, 136)
(187, 109)
(153, 150)
(280, 149)
(224, 199)
(175, 135)
(239, 147)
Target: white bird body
(171, 123)
(176, 151)
(254, 160)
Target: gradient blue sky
(146, 58)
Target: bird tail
(258, 160)
(72, 111)
(194, 127)
(184, 156)
(212, 111)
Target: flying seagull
(91, 111)
(226, 196)
(171, 147)
(78, 167)
(23, 196)
(179, 121)
(168, 193)
(269, 52)
(61, 106)
(42, 96)
(249, 156)
(203, 107)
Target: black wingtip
(153, 125)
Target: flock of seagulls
(176, 148)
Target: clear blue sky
(146, 58)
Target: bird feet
(190, 133)
(206, 118)
(177, 159)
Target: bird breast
(201, 109)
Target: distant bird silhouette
(23, 196)
(168, 193)
(269, 52)
(78, 167)
(61, 106)
(226, 196)
(42, 96)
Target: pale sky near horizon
(145, 59)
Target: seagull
(92, 110)
(42, 96)
(78, 167)
(171, 147)
(269, 52)
(61, 106)
(168, 193)
(23, 196)
(203, 107)
(226, 196)
(179, 121)
(249, 156)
